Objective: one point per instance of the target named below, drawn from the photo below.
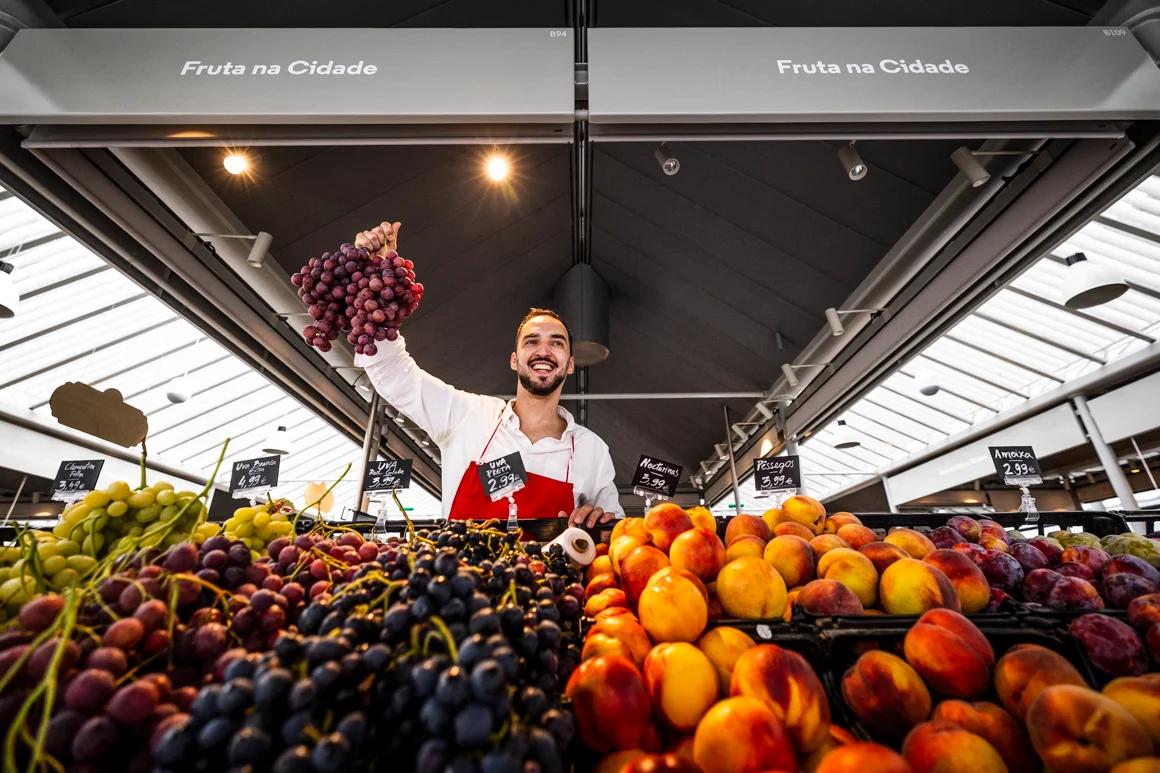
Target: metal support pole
(886, 492)
(790, 440)
(15, 499)
(370, 447)
(732, 464)
(1107, 456)
(1144, 463)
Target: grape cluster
(366, 296)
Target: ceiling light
(855, 167)
(788, 369)
(9, 295)
(834, 317)
(666, 160)
(179, 390)
(236, 163)
(766, 447)
(278, 444)
(497, 167)
(399, 419)
(845, 437)
(965, 160)
(926, 383)
(1086, 284)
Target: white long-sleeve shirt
(460, 423)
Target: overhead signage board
(873, 74)
(299, 76)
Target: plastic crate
(801, 637)
(1098, 523)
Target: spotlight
(790, 377)
(258, 251)
(497, 167)
(1086, 284)
(236, 163)
(926, 383)
(965, 160)
(179, 390)
(278, 444)
(845, 437)
(9, 295)
(834, 317)
(666, 160)
(855, 167)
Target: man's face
(542, 359)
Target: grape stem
(445, 634)
(406, 518)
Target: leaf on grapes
(105, 414)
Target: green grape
(166, 497)
(117, 509)
(148, 513)
(141, 499)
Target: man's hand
(587, 516)
(383, 237)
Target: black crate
(800, 637)
(1097, 523)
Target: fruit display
(257, 525)
(365, 295)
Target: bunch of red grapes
(363, 295)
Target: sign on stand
(252, 475)
(778, 475)
(503, 477)
(387, 475)
(1018, 466)
(655, 479)
(74, 479)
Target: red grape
(133, 703)
(95, 740)
(152, 614)
(110, 659)
(124, 633)
(89, 691)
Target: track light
(258, 251)
(834, 317)
(9, 295)
(855, 167)
(666, 160)
(278, 443)
(1086, 284)
(787, 370)
(965, 160)
(845, 437)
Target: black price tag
(655, 478)
(74, 479)
(259, 474)
(777, 474)
(388, 475)
(1016, 465)
(503, 476)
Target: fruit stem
(406, 518)
(445, 634)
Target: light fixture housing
(9, 295)
(965, 160)
(790, 377)
(834, 321)
(278, 443)
(666, 160)
(926, 383)
(260, 248)
(852, 162)
(1086, 285)
(581, 297)
(845, 437)
(236, 163)
(179, 390)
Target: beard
(537, 390)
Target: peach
(853, 570)
(1140, 695)
(838, 520)
(637, 567)
(628, 630)
(882, 554)
(828, 597)
(950, 653)
(995, 726)
(616, 762)
(1077, 729)
(965, 575)
(994, 530)
(632, 526)
(600, 582)
(600, 565)
(723, 646)
(610, 597)
(673, 609)
(804, 510)
(664, 522)
(608, 612)
(795, 529)
(773, 518)
(991, 542)
(788, 684)
(751, 589)
(886, 694)
(682, 683)
(742, 735)
(968, 528)
(911, 587)
(662, 763)
(792, 557)
(751, 525)
(745, 545)
(790, 602)
(702, 518)
(1137, 765)
(948, 748)
(622, 546)
(857, 535)
(602, 548)
(915, 544)
(597, 644)
(863, 757)
(610, 704)
(682, 573)
(1026, 670)
(824, 543)
(683, 747)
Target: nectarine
(911, 587)
(742, 735)
(853, 570)
(804, 510)
(950, 653)
(664, 522)
(788, 684)
(723, 646)
(609, 703)
(1026, 670)
(751, 589)
(673, 609)
(792, 557)
(700, 551)
(742, 525)
(1077, 729)
(942, 747)
(886, 694)
(681, 682)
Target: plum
(1076, 569)
(1074, 593)
(967, 527)
(1002, 571)
(1028, 556)
(1085, 554)
(1051, 549)
(945, 537)
(1132, 565)
(1111, 646)
(998, 599)
(1038, 584)
(1120, 589)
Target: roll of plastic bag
(578, 545)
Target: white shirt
(460, 423)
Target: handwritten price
(502, 482)
(771, 482)
(1018, 470)
(653, 482)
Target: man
(570, 472)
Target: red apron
(541, 496)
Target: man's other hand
(587, 516)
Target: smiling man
(570, 472)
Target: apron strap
(571, 454)
(488, 443)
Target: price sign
(388, 475)
(503, 476)
(1016, 465)
(259, 474)
(781, 473)
(75, 479)
(655, 478)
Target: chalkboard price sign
(503, 476)
(74, 479)
(655, 478)
(781, 473)
(388, 475)
(1016, 465)
(254, 474)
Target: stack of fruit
(257, 525)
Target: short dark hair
(535, 312)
